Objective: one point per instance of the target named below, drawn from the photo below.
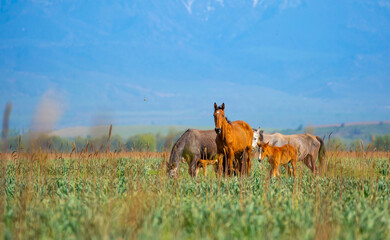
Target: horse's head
(219, 116)
(256, 137)
(263, 150)
(171, 170)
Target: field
(128, 196)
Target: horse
(204, 162)
(233, 141)
(279, 155)
(193, 145)
(310, 147)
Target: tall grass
(88, 194)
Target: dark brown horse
(195, 146)
(234, 141)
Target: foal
(279, 156)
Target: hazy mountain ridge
(347, 131)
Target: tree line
(140, 142)
(378, 143)
(153, 142)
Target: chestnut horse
(279, 156)
(234, 141)
(310, 147)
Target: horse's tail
(321, 154)
(176, 154)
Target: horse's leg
(215, 167)
(196, 160)
(204, 169)
(237, 169)
(294, 167)
(194, 169)
(277, 167)
(288, 170)
(220, 164)
(278, 160)
(249, 166)
(249, 152)
(276, 172)
(225, 166)
(204, 163)
(271, 171)
(237, 165)
(225, 163)
(230, 163)
(313, 162)
(244, 163)
(274, 167)
(307, 162)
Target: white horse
(309, 146)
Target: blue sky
(275, 63)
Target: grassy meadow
(127, 195)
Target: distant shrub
(142, 142)
(356, 145)
(382, 143)
(336, 143)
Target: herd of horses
(229, 148)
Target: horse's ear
(258, 130)
(215, 106)
(223, 106)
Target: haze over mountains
(275, 63)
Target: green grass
(132, 198)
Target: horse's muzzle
(172, 173)
(218, 130)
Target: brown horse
(310, 147)
(234, 141)
(205, 162)
(279, 156)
